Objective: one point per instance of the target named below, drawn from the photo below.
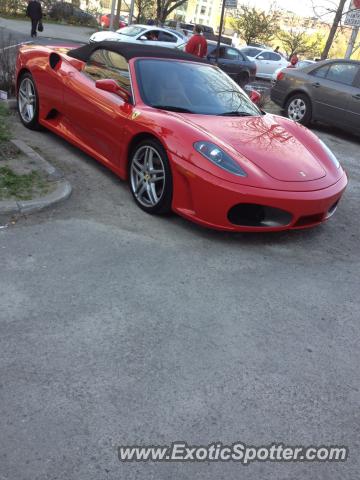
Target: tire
(298, 108)
(28, 102)
(152, 192)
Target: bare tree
(336, 8)
(165, 7)
(145, 10)
(333, 29)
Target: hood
(279, 147)
(106, 35)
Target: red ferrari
(182, 133)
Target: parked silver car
(142, 35)
(267, 61)
(326, 91)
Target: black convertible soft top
(132, 50)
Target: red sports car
(182, 133)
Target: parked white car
(267, 61)
(300, 64)
(142, 34)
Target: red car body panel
(272, 150)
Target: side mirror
(143, 37)
(260, 57)
(109, 85)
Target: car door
(167, 39)
(227, 61)
(263, 63)
(331, 90)
(95, 115)
(233, 59)
(272, 62)
(353, 106)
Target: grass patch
(4, 128)
(21, 186)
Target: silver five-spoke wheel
(150, 177)
(147, 174)
(297, 109)
(27, 100)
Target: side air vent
(54, 60)
(52, 114)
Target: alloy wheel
(27, 100)
(147, 176)
(297, 109)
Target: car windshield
(191, 88)
(131, 31)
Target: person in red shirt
(197, 45)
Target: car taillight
(280, 76)
(255, 96)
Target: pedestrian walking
(197, 45)
(34, 11)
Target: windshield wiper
(172, 108)
(236, 113)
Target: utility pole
(220, 32)
(131, 12)
(111, 27)
(352, 40)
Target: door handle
(357, 96)
(316, 84)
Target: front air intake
(253, 215)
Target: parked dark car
(327, 91)
(71, 13)
(233, 62)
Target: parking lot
(120, 328)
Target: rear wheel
(298, 108)
(243, 79)
(28, 102)
(150, 177)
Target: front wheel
(28, 102)
(298, 108)
(150, 177)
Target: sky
(300, 7)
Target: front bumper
(208, 201)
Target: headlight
(220, 158)
(330, 154)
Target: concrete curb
(62, 191)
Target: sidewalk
(51, 30)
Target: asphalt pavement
(122, 328)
